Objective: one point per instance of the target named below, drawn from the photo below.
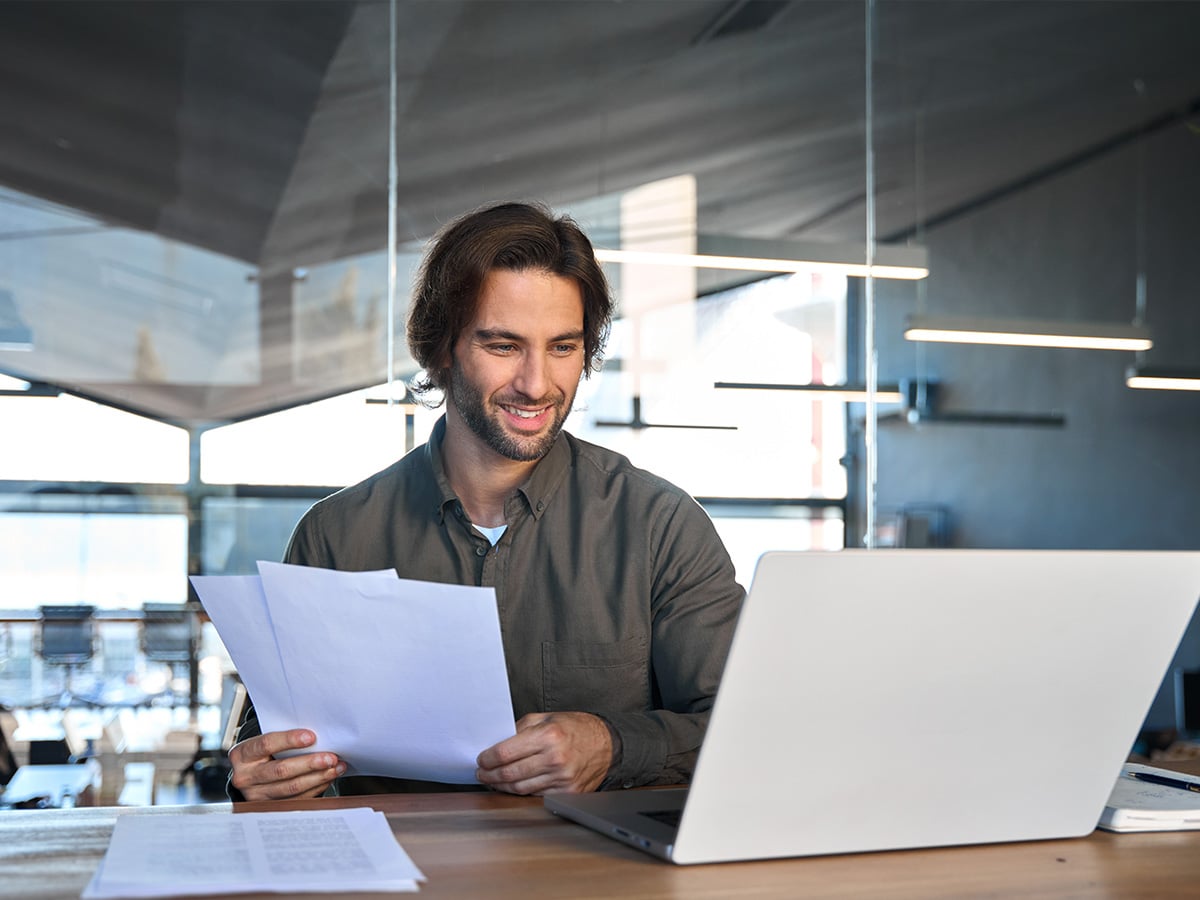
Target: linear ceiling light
(1162, 379)
(1028, 333)
(850, 393)
(637, 423)
(755, 255)
(30, 389)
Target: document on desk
(398, 677)
(174, 855)
(1136, 804)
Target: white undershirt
(492, 534)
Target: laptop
(881, 700)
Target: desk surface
(488, 845)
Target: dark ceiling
(259, 129)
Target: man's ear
(440, 371)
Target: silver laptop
(879, 700)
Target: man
(616, 598)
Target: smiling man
(616, 598)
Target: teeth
(523, 413)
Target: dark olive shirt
(615, 594)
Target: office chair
(66, 638)
(167, 637)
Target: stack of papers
(1139, 805)
(174, 855)
(397, 677)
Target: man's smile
(523, 413)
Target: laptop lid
(878, 700)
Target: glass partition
(1050, 190)
(198, 300)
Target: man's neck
(482, 478)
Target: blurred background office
(210, 214)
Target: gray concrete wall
(1124, 472)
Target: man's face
(516, 367)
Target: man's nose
(531, 377)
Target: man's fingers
(525, 767)
(540, 784)
(282, 778)
(521, 770)
(309, 784)
(535, 732)
(264, 746)
(510, 750)
(298, 766)
(259, 775)
(556, 751)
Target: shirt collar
(547, 476)
(537, 491)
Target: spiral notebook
(1138, 804)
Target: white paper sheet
(173, 855)
(398, 677)
(238, 608)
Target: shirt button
(540, 506)
(481, 550)
(627, 785)
(458, 510)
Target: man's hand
(567, 752)
(259, 776)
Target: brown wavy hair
(515, 237)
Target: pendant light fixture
(1139, 376)
(1028, 333)
(849, 393)
(1144, 378)
(759, 255)
(1024, 332)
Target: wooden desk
(488, 845)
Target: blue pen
(1167, 782)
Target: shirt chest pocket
(586, 676)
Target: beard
(488, 425)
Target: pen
(1168, 782)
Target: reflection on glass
(141, 308)
(331, 442)
(239, 531)
(340, 310)
(747, 537)
(785, 329)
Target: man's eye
(564, 349)
(503, 348)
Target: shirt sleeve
(306, 547)
(695, 603)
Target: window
(331, 442)
(106, 550)
(66, 438)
